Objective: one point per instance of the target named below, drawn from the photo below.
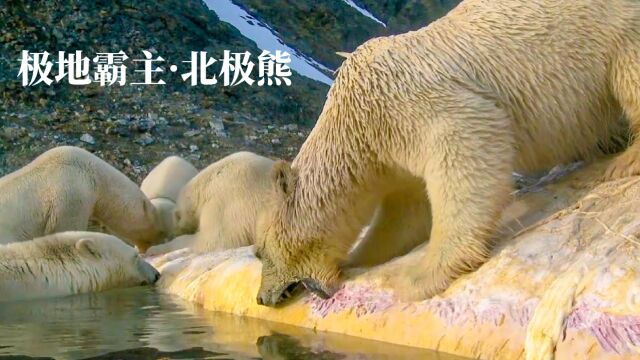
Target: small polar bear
(65, 187)
(70, 263)
(162, 186)
(218, 209)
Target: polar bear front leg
(180, 242)
(70, 210)
(402, 222)
(469, 160)
(625, 80)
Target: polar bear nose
(151, 275)
(156, 276)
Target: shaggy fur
(70, 263)
(492, 87)
(162, 186)
(218, 209)
(66, 186)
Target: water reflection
(141, 323)
(279, 346)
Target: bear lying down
(70, 263)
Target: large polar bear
(218, 209)
(70, 263)
(163, 184)
(66, 186)
(492, 87)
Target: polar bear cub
(66, 186)
(218, 209)
(162, 186)
(70, 263)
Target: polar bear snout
(149, 274)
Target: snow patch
(267, 39)
(364, 12)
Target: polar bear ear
(87, 246)
(284, 178)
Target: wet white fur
(69, 263)
(66, 186)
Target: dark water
(141, 323)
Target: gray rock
(86, 138)
(218, 127)
(142, 125)
(145, 139)
(290, 127)
(192, 133)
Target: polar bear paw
(624, 165)
(413, 283)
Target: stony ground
(136, 138)
(135, 127)
(320, 28)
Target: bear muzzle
(149, 273)
(276, 297)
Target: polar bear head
(185, 215)
(140, 223)
(165, 209)
(115, 264)
(288, 259)
(70, 263)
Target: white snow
(267, 39)
(364, 12)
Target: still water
(141, 323)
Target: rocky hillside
(404, 15)
(320, 28)
(135, 127)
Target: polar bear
(162, 186)
(70, 263)
(492, 87)
(218, 209)
(66, 186)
